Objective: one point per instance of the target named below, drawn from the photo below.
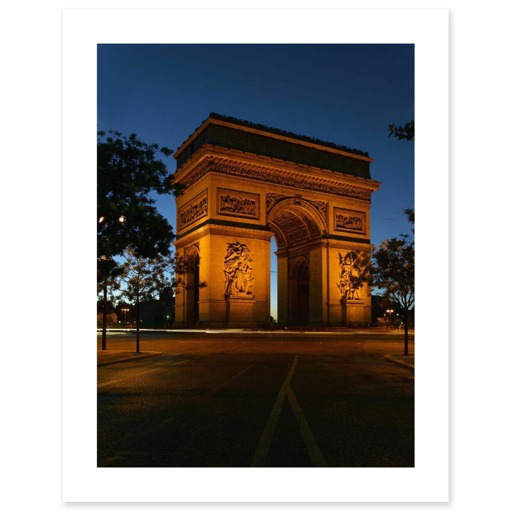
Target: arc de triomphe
(245, 183)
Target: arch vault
(244, 183)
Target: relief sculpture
(238, 271)
(347, 220)
(351, 274)
(273, 199)
(238, 204)
(268, 174)
(193, 211)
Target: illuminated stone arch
(298, 227)
(245, 183)
(295, 221)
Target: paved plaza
(241, 399)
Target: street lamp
(389, 313)
(125, 310)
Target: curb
(142, 355)
(396, 360)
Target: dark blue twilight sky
(346, 94)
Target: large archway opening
(297, 227)
(299, 293)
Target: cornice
(223, 227)
(273, 171)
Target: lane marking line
(140, 374)
(307, 435)
(120, 380)
(108, 383)
(224, 384)
(177, 363)
(148, 371)
(161, 425)
(260, 456)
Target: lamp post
(125, 311)
(389, 312)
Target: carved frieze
(194, 210)
(238, 204)
(273, 199)
(349, 221)
(268, 174)
(322, 208)
(238, 279)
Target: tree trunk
(104, 319)
(406, 333)
(137, 321)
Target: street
(240, 399)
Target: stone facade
(235, 200)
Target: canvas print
(255, 255)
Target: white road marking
(149, 371)
(307, 435)
(224, 384)
(108, 383)
(180, 362)
(260, 456)
(162, 424)
(140, 374)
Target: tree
(143, 279)
(108, 272)
(393, 274)
(129, 170)
(402, 132)
(182, 265)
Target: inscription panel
(238, 204)
(349, 221)
(195, 209)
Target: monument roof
(229, 132)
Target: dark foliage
(128, 171)
(393, 273)
(402, 132)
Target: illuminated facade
(245, 183)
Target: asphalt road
(249, 399)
